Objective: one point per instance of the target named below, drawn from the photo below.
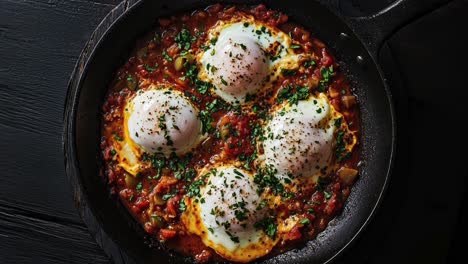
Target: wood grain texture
(40, 43)
(48, 240)
(36, 65)
(101, 237)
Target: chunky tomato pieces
(155, 196)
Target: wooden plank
(40, 41)
(110, 247)
(34, 238)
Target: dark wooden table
(423, 215)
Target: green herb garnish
(166, 56)
(293, 95)
(184, 39)
(308, 64)
(268, 225)
(327, 73)
(288, 72)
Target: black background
(422, 219)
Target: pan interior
(376, 140)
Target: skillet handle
(376, 28)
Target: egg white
(143, 132)
(300, 138)
(247, 57)
(163, 121)
(225, 214)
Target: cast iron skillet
(355, 43)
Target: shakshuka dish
(230, 134)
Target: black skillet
(354, 41)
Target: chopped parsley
(340, 148)
(305, 221)
(149, 69)
(184, 39)
(273, 58)
(186, 174)
(163, 127)
(223, 81)
(213, 69)
(166, 56)
(233, 238)
(174, 163)
(202, 87)
(168, 196)
(139, 186)
(293, 95)
(338, 122)
(213, 41)
(288, 72)
(130, 79)
(157, 217)
(238, 173)
(308, 64)
(327, 195)
(182, 206)
(113, 152)
(194, 188)
(158, 163)
(295, 46)
(327, 73)
(215, 105)
(206, 120)
(240, 211)
(265, 178)
(240, 215)
(268, 225)
(191, 72)
(261, 205)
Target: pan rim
(72, 164)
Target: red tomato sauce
(155, 201)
